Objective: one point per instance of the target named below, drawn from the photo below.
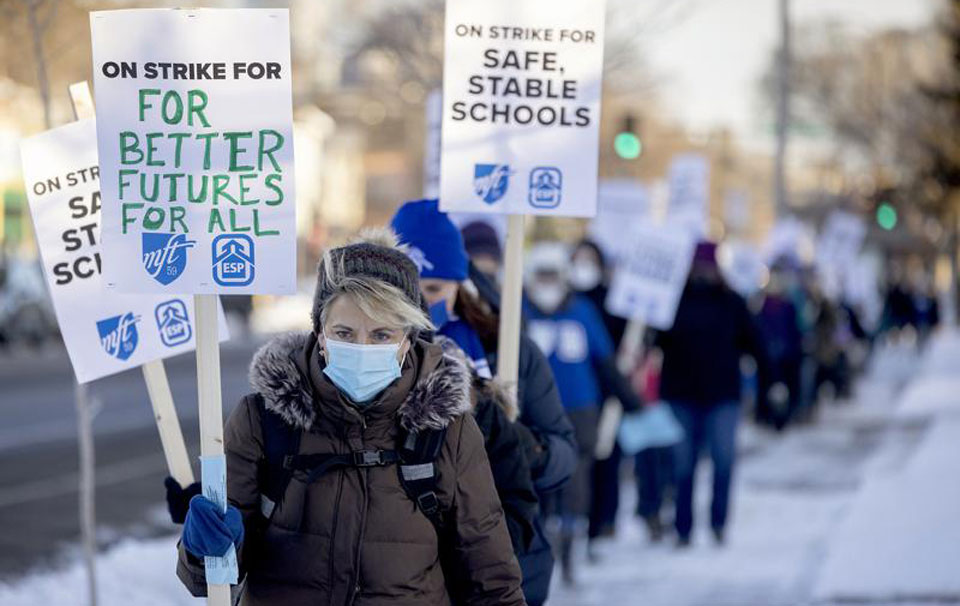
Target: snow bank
(901, 538)
(140, 573)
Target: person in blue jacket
(570, 331)
(433, 242)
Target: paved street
(38, 445)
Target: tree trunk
(783, 112)
(33, 6)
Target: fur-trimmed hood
(279, 372)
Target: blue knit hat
(433, 241)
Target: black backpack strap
(280, 440)
(418, 453)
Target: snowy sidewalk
(798, 515)
(792, 494)
(901, 540)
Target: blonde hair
(378, 300)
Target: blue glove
(209, 532)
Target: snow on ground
(792, 493)
(816, 494)
(133, 573)
(901, 539)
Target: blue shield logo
(165, 255)
(546, 187)
(233, 261)
(173, 322)
(490, 181)
(118, 335)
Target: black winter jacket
(701, 352)
(541, 410)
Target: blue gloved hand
(209, 532)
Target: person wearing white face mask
(570, 332)
(356, 469)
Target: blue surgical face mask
(439, 314)
(361, 371)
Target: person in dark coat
(589, 276)
(353, 385)
(495, 410)
(569, 330)
(482, 244)
(457, 311)
(700, 379)
(778, 393)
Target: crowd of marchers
(379, 460)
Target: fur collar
(278, 373)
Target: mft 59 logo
(165, 255)
(118, 335)
(233, 260)
(490, 181)
(173, 322)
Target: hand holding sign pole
(196, 150)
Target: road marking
(68, 483)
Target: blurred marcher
(483, 247)
(570, 331)
(898, 309)
(653, 467)
(458, 313)
(926, 311)
(701, 381)
(833, 338)
(589, 276)
(336, 522)
(778, 393)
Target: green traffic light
(627, 146)
(886, 216)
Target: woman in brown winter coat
(353, 392)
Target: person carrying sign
(700, 380)
(569, 330)
(434, 243)
(382, 492)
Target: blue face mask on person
(439, 314)
(361, 371)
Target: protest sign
(840, 239)
(689, 182)
(521, 106)
(195, 136)
(742, 266)
(649, 279)
(791, 239)
(103, 334)
(622, 203)
(838, 247)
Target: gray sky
(709, 63)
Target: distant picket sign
(103, 333)
(650, 277)
(521, 106)
(196, 148)
(622, 204)
(838, 249)
(689, 183)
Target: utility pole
(783, 112)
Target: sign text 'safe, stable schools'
(521, 106)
